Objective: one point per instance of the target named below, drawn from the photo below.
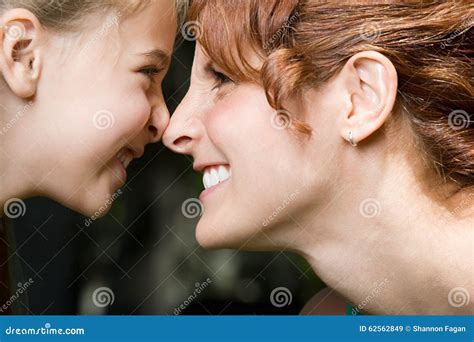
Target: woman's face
(98, 103)
(259, 175)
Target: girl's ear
(20, 51)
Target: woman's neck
(391, 248)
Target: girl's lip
(123, 172)
(208, 191)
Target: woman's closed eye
(219, 78)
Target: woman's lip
(207, 191)
(200, 167)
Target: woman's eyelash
(219, 77)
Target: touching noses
(158, 122)
(183, 132)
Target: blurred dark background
(142, 257)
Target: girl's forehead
(151, 30)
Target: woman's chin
(221, 236)
(209, 238)
(206, 239)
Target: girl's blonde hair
(66, 15)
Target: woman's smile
(214, 176)
(351, 132)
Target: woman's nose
(182, 133)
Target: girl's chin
(96, 206)
(96, 211)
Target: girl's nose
(158, 122)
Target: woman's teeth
(215, 174)
(124, 157)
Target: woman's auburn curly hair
(304, 43)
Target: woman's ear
(369, 82)
(20, 55)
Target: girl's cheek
(136, 115)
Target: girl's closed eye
(151, 71)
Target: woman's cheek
(215, 126)
(224, 122)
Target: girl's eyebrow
(159, 55)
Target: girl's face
(260, 176)
(98, 103)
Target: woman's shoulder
(325, 302)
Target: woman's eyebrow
(159, 55)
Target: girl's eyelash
(151, 71)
